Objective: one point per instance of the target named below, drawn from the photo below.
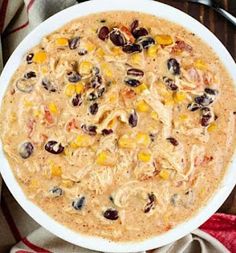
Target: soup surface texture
(120, 125)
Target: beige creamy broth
(109, 159)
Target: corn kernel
(113, 98)
(82, 141)
(36, 113)
(144, 156)
(200, 64)
(62, 42)
(116, 51)
(168, 99)
(100, 53)
(152, 51)
(164, 39)
(70, 90)
(183, 117)
(106, 70)
(126, 142)
(79, 87)
(73, 145)
(104, 159)
(52, 108)
(85, 67)
(67, 183)
(164, 174)
(154, 115)
(28, 103)
(135, 58)
(179, 96)
(143, 139)
(212, 127)
(89, 46)
(55, 170)
(142, 106)
(139, 89)
(40, 57)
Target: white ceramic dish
(55, 22)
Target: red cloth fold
(223, 228)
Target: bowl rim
(53, 23)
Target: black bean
(96, 81)
(101, 91)
(193, 107)
(211, 91)
(170, 83)
(146, 41)
(134, 25)
(117, 38)
(103, 21)
(93, 109)
(82, 52)
(78, 203)
(205, 120)
(151, 202)
(77, 100)
(111, 214)
(139, 32)
(25, 85)
(92, 96)
(106, 132)
(47, 85)
(30, 74)
(206, 116)
(26, 150)
(132, 48)
(135, 72)
(103, 33)
(173, 66)
(173, 141)
(29, 58)
(73, 77)
(133, 119)
(54, 147)
(203, 100)
(56, 191)
(91, 130)
(74, 43)
(132, 82)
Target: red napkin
(223, 228)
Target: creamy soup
(120, 125)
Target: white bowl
(55, 22)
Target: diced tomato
(127, 33)
(48, 115)
(181, 46)
(71, 125)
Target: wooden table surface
(224, 30)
